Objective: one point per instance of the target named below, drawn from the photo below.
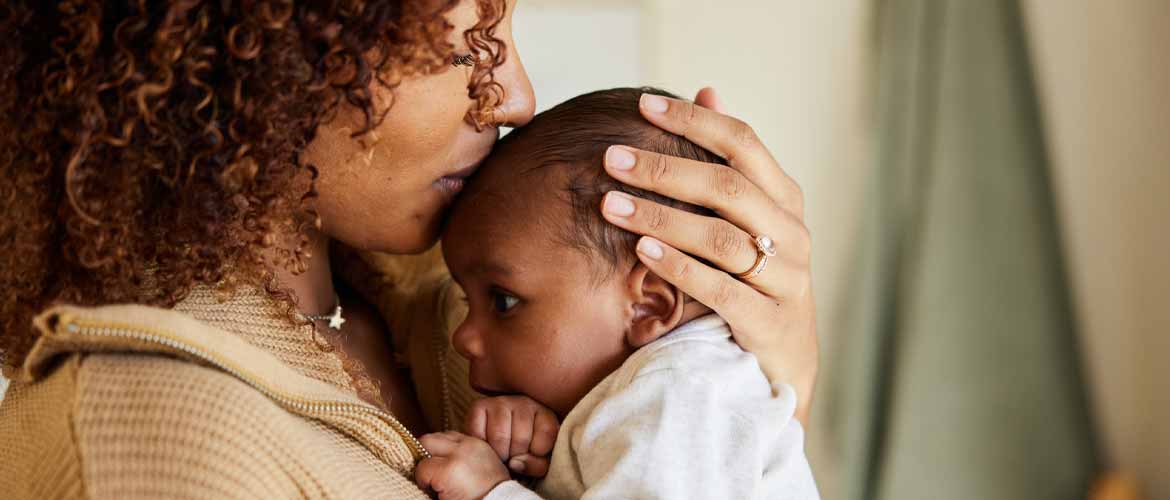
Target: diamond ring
(765, 248)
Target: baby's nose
(467, 341)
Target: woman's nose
(519, 100)
(467, 342)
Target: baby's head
(556, 297)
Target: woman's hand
(772, 314)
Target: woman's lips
(450, 186)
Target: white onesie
(688, 416)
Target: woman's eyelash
(463, 60)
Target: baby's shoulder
(701, 353)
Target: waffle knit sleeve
(38, 455)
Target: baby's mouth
(488, 392)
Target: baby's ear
(657, 306)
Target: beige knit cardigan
(219, 400)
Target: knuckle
(804, 286)
(798, 199)
(479, 446)
(657, 219)
(547, 424)
(543, 414)
(803, 242)
(745, 136)
(497, 436)
(686, 114)
(729, 183)
(481, 405)
(658, 168)
(723, 241)
(723, 294)
(683, 269)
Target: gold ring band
(764, 248)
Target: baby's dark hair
(575, 135)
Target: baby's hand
(460, 468)
(520, 430)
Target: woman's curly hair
(148, 146)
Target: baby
(656, 399)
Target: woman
(194, 160)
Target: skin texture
(521, 431)
(460, 468)
(772, 315)
(537, 324)
(533, 308)
(383, 190)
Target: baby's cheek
(541, 370)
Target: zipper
(107, 329)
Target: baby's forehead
(512, 177)
(511, 191)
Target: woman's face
(387, 190)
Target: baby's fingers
(428, 473)
(544, 433)
(523, 423)
(529, 465)
(499, 430)
(477, 421)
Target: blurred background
(988, 187)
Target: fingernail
(516, 465)
(619, 158)
(650, 248)
(654, 103)
(619, 204)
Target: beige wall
(1104, 80)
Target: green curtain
(957, 374)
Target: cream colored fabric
(422, 306)
(205, 401)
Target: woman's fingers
(725, 136)
(707, 98)
(718, 187)
(716, 240)
(727, 296)
(745, 311)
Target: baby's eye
(503, 302)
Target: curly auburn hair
(159, 142)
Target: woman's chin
(423, 239)
(417, 236)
